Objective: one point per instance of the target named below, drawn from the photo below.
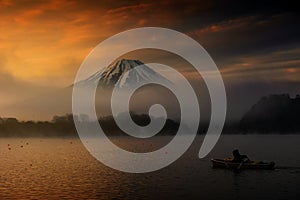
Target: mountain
(115, 75)
(274, 113)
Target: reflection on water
(40, 168)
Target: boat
(228, 164)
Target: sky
(255, 44)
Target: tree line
(63, 126)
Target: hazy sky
(42, 44)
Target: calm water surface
(43, 168)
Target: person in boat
(237, 157)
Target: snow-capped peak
(115, 75)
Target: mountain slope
(115, 75)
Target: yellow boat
(229, 164)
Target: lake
(56, 168)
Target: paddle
(240, 165)
(243, 161)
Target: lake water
(43, 168)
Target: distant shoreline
(274, 114)
(128, 136)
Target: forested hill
(274, 113)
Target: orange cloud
(277, 65)
(225, 25)
(40, 39)
(291, 70)
(38, 42)
(6, 3)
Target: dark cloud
(249, 35)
